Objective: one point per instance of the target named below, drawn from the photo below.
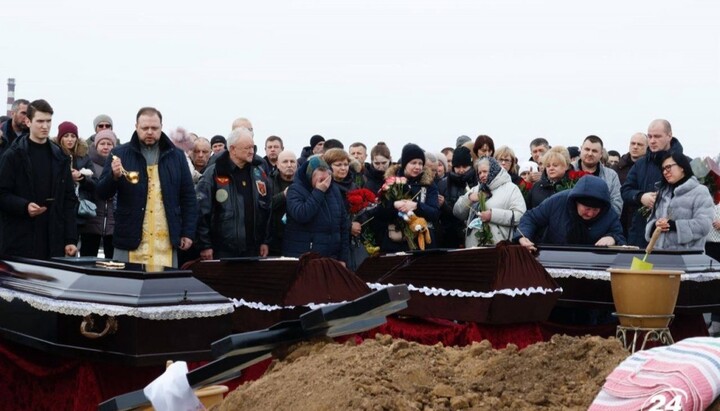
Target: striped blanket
(683, 376)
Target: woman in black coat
(423, 201)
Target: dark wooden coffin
(266, 291)
(136, 315)
(496, 285)
(581, 272)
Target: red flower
(570, 180)
(359, 199)
(576, 175)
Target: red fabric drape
(33, 380)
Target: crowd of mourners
(171, 198)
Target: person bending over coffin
(581, 216)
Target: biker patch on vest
(221, 195)
(262, 190)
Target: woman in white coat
(504, 205)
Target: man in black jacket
(14, 127)
(37, 197)
(234, 196)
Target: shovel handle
(653, 240)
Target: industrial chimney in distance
(10, 95)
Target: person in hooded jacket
(643, 180)
(462, 177)
(580, 216)
(684, 207)
(424, 200)
(504, 204)
(316, 214)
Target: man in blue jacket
(642, 183)
(157, 215)
(581, 216)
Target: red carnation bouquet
(361, 200)
(569, 181)
(525, 187)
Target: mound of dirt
(392, 374)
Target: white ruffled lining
(169, 312)
(265, 307)
(429, 291)
(605, 276)
(434, 292)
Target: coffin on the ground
(137, 315)
(581, 272)
(495, 285)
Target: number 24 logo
(658, 402)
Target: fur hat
(105, 135)
(67, 127)
(411, 152)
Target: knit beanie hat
(105, 135)
(102, 118)
(411, 152)
(67, 127)
(462, 157)
(218, 139)
(441, 158)
(314, 140)
(313, 163)
(461, 140)
(573, 151)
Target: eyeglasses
(504, 160)
(104, 125)
(668, 167)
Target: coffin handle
(89, 322)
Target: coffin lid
(77, 285)
(602, 258)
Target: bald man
(640, 189)
(234, 195)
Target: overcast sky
(394, 71)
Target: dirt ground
(392, 374)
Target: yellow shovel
(638, 264)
